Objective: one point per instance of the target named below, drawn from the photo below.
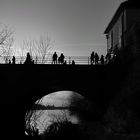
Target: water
(56, 107)
(41, 119)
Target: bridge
(79, 60)
(22, 85)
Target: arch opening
(57, 109)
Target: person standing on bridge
(59, 60)
(28, 59)
(62, 57)
(96, 58)
(92, 58)
(73, 62)
(13, 60)
(54, 58)
(102, 59)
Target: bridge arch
(24, 84)
(67, 105)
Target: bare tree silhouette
(32, 118)
(38, 49)
(43, 47)
(6, 42)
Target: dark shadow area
(22, 85)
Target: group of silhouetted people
(13, 61)
(58, 60)
(28, 60)
(95, 59)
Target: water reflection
(62, 106)
(41, 119)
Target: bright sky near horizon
(76, 26)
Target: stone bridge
(22, 85)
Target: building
(123, 31)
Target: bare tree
(38, 49)
(21, 56)
(43, 47)
(34, 119)
(6, 42)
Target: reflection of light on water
(41, 119)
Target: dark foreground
(113, 89)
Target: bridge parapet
(79, 60)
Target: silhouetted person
(9, 61)
(73, 62)
(65, 62)
(59, 60)
(92, 56)
(62, 58)
(102, 59)
(96, 58)
(28, 59)
(13, 60)
(54, 58)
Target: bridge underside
(22, 85)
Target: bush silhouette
(64, 130)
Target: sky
(76, 27)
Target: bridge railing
(83, 60)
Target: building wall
(115, 34)
(118, 35)
(132, 30)
(133, 39)
(132, 15)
